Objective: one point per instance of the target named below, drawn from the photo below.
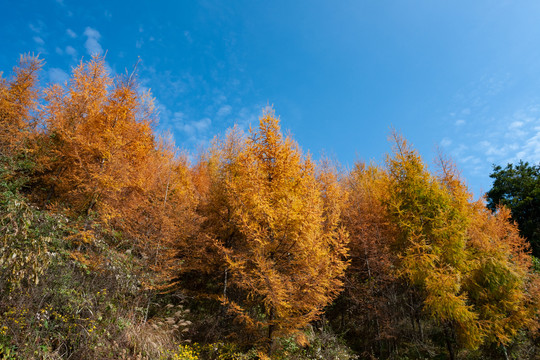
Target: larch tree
(368, 304)
(98, 136)
(498, 280)
(281, 246)
(164, 214)
(19, 97)
(203, 264)
(431, 244)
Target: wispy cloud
(224, 110)
(496, 140)
(188, 37)
(197, 126)
(92, 44)
(516, 124)
(57, 75)
(71, 33)
(487, 124)
(446, 142)
(70, 50)
(196, 132)
(248, 116)
(531, 148)
(38, 40)
(37, 27)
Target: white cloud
(516, 125)
(502, 140)
(248, 117)
(178, 116)
(194, 127)
(188, 37)
(59, 51)
(71, 33)
(196, 131)
(460, 122)
(92, 41)
(471, 159)
(37, 28)
(446, 142)
(224, 110)
(38, 40)
(71, 51)
(497, 149)
(531, 148)
(57, 75)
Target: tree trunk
(449, 346)
(270, 331)
(505, 352)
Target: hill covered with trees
(114, 245)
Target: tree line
(394, 257)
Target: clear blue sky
(462, 75)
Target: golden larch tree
(283, 257)
(277, 243)
(98, 137)
(19, 96)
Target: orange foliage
(371, 279)
(18, 101)
(98, 137)
(500, 274)
(266, 231)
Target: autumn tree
(163, 213)
(98, 135)
(499, 274)
(18, 102)
(270, 239)
(368, 310)
(497, 284)
(431, 244)
(469, 270)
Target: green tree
(518, 188)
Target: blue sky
(461, 75)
